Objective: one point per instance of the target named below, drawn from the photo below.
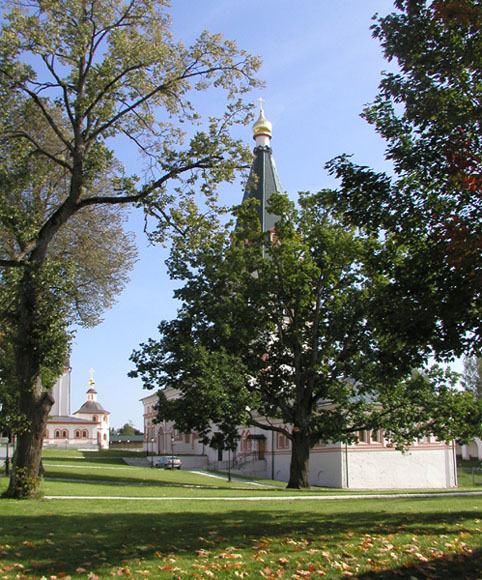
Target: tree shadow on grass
(140, 476)
(82, 461)
(62, 542)
(449, 567)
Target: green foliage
(126, 429)
(41, 289)
(74, 76)
(428, 112)
(291, 328)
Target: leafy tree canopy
(292, 328)
(429, 113)
(126, 429)
(75, 77)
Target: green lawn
(438, 537)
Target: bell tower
(263, 179)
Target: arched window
(282, 442)
(77, 434)
(57, 434)
(362, 436)
(65, 434)
(94, 418)
(84, 434)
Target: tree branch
(41, 150)
(48, 117)
(205, 163)
(269, 427)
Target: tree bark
(34, 400)
(300, 461)
(25, 474)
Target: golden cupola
(262, 129)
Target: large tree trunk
(36, 338)
(300, 461)
(25, 474)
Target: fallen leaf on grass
(283, 561)
(201, 539)
(230, 556)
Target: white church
(369, 464)
(87, 428)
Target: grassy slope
(95, 539)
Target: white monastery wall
(388, 468)
(369, 464)
(327, 466)
(71, 435)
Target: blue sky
(320, 66)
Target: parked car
(169, 462)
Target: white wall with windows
(371, 463)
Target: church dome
(262, 126)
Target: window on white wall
(282, 442)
